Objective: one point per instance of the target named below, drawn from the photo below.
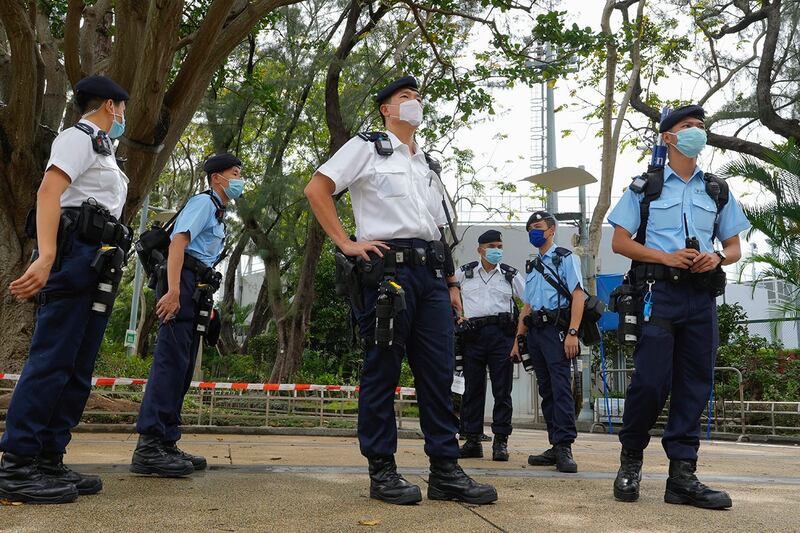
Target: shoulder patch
(469, 266)
(562, 252)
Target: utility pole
(130, 335)
(586, 414)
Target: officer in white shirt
(403, 307)
(488, 289)
(81, 248)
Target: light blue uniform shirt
(206, 234)
(665, 231)
(539, 293)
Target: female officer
(79, 243)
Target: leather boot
(500, 448)
(564, 461)
(198, 461)
(151, 457)
(471, 448)
(683, 487)
(546, 458)
(53, 466)
(387, 485)
(626, 486)
(21, 481)
(448, 482)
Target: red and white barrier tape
(109, 382)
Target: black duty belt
(193, 264)
(501, 319)
(540, 318)
(409, 252)
(642, 272)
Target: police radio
(691, 242)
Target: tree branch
(766, 110)
(72, 60)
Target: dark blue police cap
(676, 115)
(221, 162)
(406, 82)
(490, 236)
(101, 87)
(539, 215)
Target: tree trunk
(16, 318)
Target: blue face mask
(537, 238)
(691, 141)
(494, 255)
(117, 128)
(234, 189)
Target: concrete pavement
(288, 483)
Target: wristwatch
(451, 284)
(722, 256)
(573, 332)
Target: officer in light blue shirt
(667, 224)
(549, 321)
(185, 310)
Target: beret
(490, 236)
(220, 162)
(102, 87)
(406, 82)
(676, 115)
(540, 215)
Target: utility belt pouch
(203, 304)
(718, 280)
(436, 255)
(92, 223)
(508, 324)
(107, 263)
(593, 309)
(626, 300)
(370, 273)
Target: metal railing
(212, 406)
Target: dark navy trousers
(490, 347)
(172, 369)
(554, 379)
(679, 364)
(55, 383)
(425, 329)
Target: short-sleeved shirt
(206, 234)
(91, 175)
(665, 227)
(539, 293)
(393, 197)
(488, 293)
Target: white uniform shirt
(91, 175)
(488, 293)
(393, 197)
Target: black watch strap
(573, 332)
(451, 284)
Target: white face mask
(411, 112)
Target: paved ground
(285, 483)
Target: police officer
(398, 207)
(488, 289)
(551, 324)
(674, 265)
(197, 240)
(82, 183)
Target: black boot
(21, 481)
(448, 482)
(564, 461)
(151, 457)
(471, 448)
(198, 461)
(626, 486)
(500, 448)
(53, 466)
(546, 458)
(683, 487)
(387, 485)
